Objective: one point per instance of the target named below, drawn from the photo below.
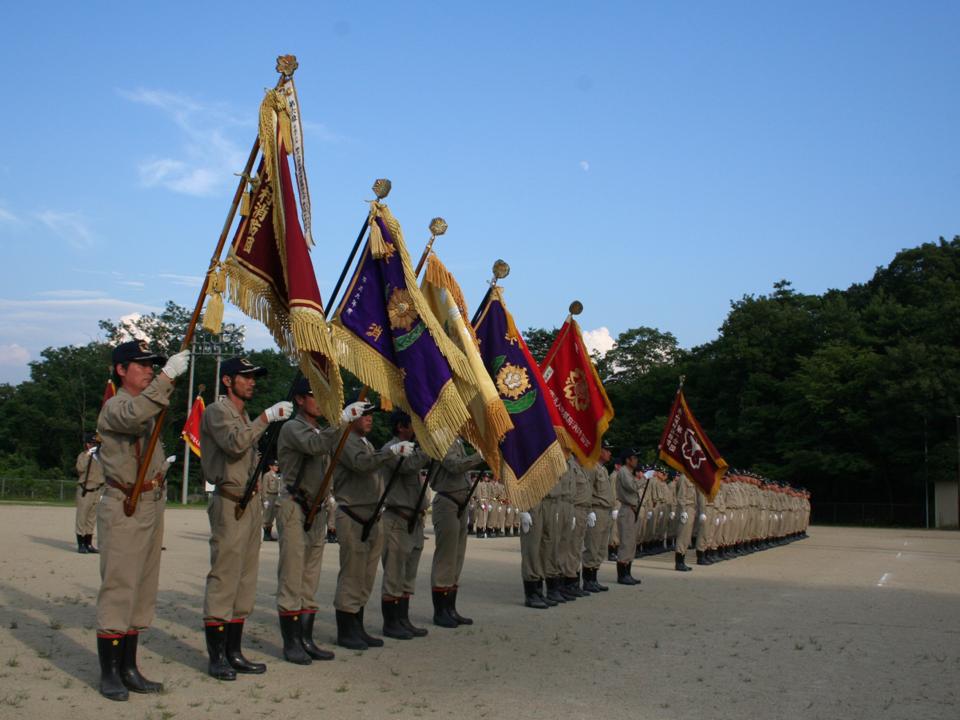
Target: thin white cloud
(14, 354)
(599, 340)
(319, 131)
(8, 217)
(70, 227)
(132, 283)
(585, 165)
(67, 293)
(185, 280)
(206, 161)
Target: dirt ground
(849, 623)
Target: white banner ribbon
(297, 132)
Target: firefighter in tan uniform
(483, 507)
(628, 493)
(89, 488)
(404, 511)
(685, 510)
(270, 488)
(597, 537)
(357, 485)
(228, 438)
(573, 553)
(303, 447)
(130, 546)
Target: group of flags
(411, 341)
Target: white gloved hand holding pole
(591, 519)
(649, 514)
(177, 364)
(703, 517)
(684, 517)
(614, 514)
(355, 410)
(171, 459)
(402, 448)
(282, 410)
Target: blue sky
(655, 160)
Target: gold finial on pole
(576, 307)
(382, 187)
(500, 270)
(287, 65)
(438, 226)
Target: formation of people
(375, 504)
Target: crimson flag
(108, 392)
(684, 446)
(191, 428)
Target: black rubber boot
(680, 563)
(235, 654)
(405, 618)
(553, 590)
(290, 631)
(392, 627)
(367, 637)
(218, 667)
(531, 595)
(81, 544)
(623, 574)
(701, 560)
(88, 541)
(110, 652)
(461, 620)
(596, 583)
(348, 635)
(441, 609)
(331, 536)
(543, 595)
(565, 590)
(479, 532)
(611, 553)
(573, 585)
(306, 638)
(267, 533)
(129, 672)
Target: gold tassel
(378, 246)
(245, 202)
(213, 315)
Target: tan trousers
(564, 536)
(574, 549)
(597, 538)
(550, 543)
(615, 527)
(684, 530)
(450, 535)
(301, 557)
(627, 524)
(401, 555)
(86, 519)
(707, 531)
(129, 561)
(531, 547)
(358, 563)
(234, 560)
(271, 506)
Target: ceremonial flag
(577, 393)
(268, 268)
(388, 337)
(191, 428)
(533, 460)
(489, 419)
(108, 392)
(684, 446)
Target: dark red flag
(684, 446)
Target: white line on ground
(883, 580)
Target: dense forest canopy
(853, 394)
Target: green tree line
(853, 394)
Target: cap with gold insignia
(241, 366)
(136, 351)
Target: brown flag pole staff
(286, 66)
(381, 189)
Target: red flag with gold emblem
(191, 428)
(684, 446)
(577, 393)
(108, 392)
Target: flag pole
(286, 65)
(576, 307)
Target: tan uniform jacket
(451, 477)
(406, 487)
(301, 445)
(228, 439)
(356, 482)
(271, 483)
(89, 471)
(125, 425)
(602, 490)
(583, 487)
(628, 488)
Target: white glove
(172, 459)
(703, 517)
(673, 514)
(355, 410)
(177, 364)
(92, 451)
(526, 522)
(684, 517)
(716, 521)
(661, 513)
(483, 506)
(723, 519)
(573, 522)
(649, 514)
(402, 448)
(282, 410)
(613, 514)
(591, 519)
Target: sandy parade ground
(849, 623)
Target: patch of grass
(13, 662)
(15, 700)
(295, 694)
(341, 688)
(798, 646)
(56, 625)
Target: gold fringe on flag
(538, 480)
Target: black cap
(91, 438)
(240, 366)
(399, 417)
(605, 444)
(302, 387)
(273, 462)
(136, 351)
